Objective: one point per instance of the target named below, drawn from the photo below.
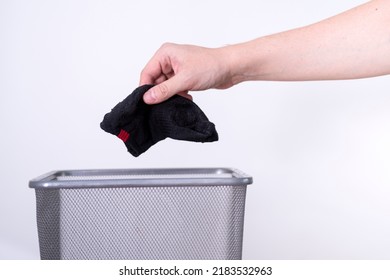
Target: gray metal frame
(152, 177)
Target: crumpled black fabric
(140, 125)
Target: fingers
(152, 74)
(159, 71)
(163, 91)
(177, 69)
(159, 68)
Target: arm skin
(354, 44)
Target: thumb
(162, 92)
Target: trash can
(185, 213)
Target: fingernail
(150, 96)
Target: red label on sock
(123, 135)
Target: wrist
(245, 61)
(256, 60)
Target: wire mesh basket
(183, 213)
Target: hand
(177, 69)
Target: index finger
(151, 72)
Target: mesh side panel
(48, 217)
(142, 223)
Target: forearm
(354, 44)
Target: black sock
(140, 126)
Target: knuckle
(166, 45)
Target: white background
(319, 152)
